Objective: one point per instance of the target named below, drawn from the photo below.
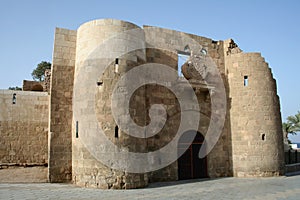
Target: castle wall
(92, 145)
(23, 128)
(61, 91)
(255, 119)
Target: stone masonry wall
(255, 119)
(158, 94)
(23, 128)
(62, 76)
(32, 86)
(92, 103)
(219, 159)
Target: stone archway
(190, 166)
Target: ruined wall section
(47, 81)
(255, 119)
(61, 91)
(23, 128)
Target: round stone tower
(105, 50)
(255, 119)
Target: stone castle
(53, 125)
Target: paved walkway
(224, 188)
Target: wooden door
(190, 166)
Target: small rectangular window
(245, 80)
(14, 99)
(117, 65)
(116, 132)
(76, 129)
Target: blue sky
(271, 27)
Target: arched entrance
(190, 166)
